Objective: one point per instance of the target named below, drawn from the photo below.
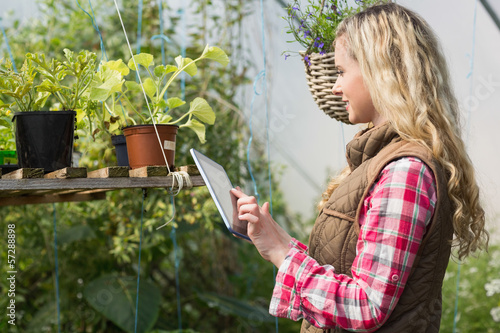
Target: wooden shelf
(31, 186)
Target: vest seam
(335, 213)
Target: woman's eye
(339, 72)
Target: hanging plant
(314, 27)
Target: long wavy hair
(407, 76)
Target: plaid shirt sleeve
(393, 221)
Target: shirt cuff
(298, 246)
(285, 302)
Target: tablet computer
(219, 186)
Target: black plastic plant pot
(44, 139)
(120, 149)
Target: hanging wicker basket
(321, 76)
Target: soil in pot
(144, 148)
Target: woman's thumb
(265, 207)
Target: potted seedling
(151, 132)
(44, 139)
(105, 114)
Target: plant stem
(134, 109)
(176, 73)
(184, 116)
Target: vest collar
(367, 143)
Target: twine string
(142, 86)
(178, 176)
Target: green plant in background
(66, 81)
(106, 90)
(314, 25)
(478, 294)
(109, 83)
(7, 141)
(19, 90)
(39, 79)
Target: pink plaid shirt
(393, 221)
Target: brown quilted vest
(335, 234)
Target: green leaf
(133, 86)
(40, 99)
(163, 118)
(80, 114)
(99, 94)
(161, 104)
(117, 65)
(191, 68)
(114, 125)
(237, 307)
(47, 86)
(215, 53)
(200, 108)
(144, 59)
(5, 123)
(174, 102)
(170, 68)
(197, 127)
(149, 87)
(159, 71)
(114, 297)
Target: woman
(379, 249)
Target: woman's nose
(337, 89)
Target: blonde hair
(408, 80)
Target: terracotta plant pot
(143, 146)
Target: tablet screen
(219, 185)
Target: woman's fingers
(243, 199)
(238, 193)
(249, 217)
(246, 210)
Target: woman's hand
(268, 237)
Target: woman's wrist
(280, 253)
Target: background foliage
(224, 284)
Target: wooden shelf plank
(24, 173)
(149, 171)
(67, 173)
(91, 183)
(109, 172)
(191, 169)
(26, 186)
